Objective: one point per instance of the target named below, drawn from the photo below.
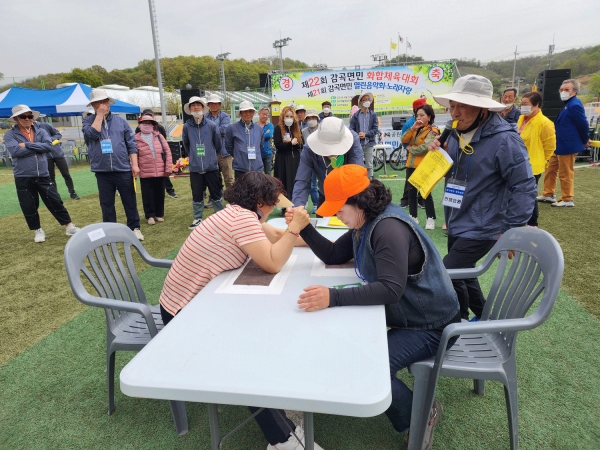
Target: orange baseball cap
(341, 184)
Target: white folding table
(261, 350)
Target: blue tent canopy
(67, 101)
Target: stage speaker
(175, 147)
(263, 80)
(549, 81)
(186, 94)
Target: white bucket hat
(100, 94)
(311, 112)
(331, 138)
(300, 108)
(245, 106)
(201, 100)
(213, 98)
(370, 94)
(473, 90)
(21, 109)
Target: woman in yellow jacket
(418, 138)
(537, 131)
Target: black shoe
(172, 194)
(74, 196)
(403, 205)
(422, 205)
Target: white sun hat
(312, 112)
(201, 100)
(300, 108)
(473, 90)
(370, 94)
(100, 94)
(246, 106)
(21, 109)
(331, 138)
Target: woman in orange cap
(400, 268)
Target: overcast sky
(49, 36)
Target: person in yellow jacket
(418, 137)
(537, 131)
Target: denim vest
(429, 300)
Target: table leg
(213, 421)
(309, 431)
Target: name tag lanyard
(107, 125)
(203, 140)
(106, 144)
(251, 149)
(467, 150)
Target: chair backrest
(103, 254)
(536, 270)
(68, 147)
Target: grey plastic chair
(68, 149)
(5, 155)
(485, 350)
(103, 254)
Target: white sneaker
(562, 204)
(430, 225)
(151, 221)
(416, 219)
(544, 199)
(292, 443)
(39, 235)
(71, 229)
(138, 234)
(195, 223)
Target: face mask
(288, 122)
(564, 96)
(525, 110)
(146, 128)
(507, 105)
(311, 123)
(366, 104)
(198, 114)
(326, 110)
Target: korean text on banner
(430, 171)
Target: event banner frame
(394, 88)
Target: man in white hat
(489, 189)
(113, 158)
(222, 120)
(365, 124)
(244, 140)
(202, 142)
(330, 146)
(29, 145)
(301, 113)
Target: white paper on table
(319, 270)
(324, 223)
(274, 288)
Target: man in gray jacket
(29, 146)
(489, 189)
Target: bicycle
(398, 158)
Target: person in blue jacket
(29, 145)
(113, 158)
(222, 120)
(331, 146)
(202, 142)
(489, 189)
(365, 124)
(57, 157)
(266, 151)
(244, 141)
(572, 136)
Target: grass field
(52, 365)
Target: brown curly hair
(294, 129)
(373, 200)
(253, 188)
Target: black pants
(200, 181)
(463, 254)
(533, 221)
(412, 199)
(108, 184)
(153, 196)
(63, 167)
(274, 423)
(29, 191)
(169, 186)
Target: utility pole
(161, 92)
(221, 58)
(514, 68)
(278, 45)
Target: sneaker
(74, 196)
(404, 205)
(71, 229)
(421, 205)
(544, 199)
(39, 235)
(172, 194)
(430, 224)
(416, 219)
(434, 418)
(562, 204)
(151, 221)
(138, 234)
(159, 219)
(474, 319)
(195, 223)
(293, 443)
(208, 204)
(314, 210)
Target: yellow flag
(393, 45)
